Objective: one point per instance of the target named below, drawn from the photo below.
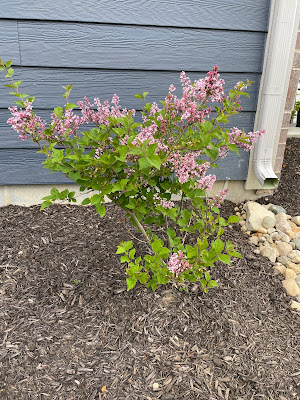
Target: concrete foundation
(29, 195)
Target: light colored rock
(297, 243)
(277, 209)
(273, 245)
(291, 287)
(296, 220)
(262, 239)
(256, 251)
(269, 222)
(281, 268)
(271, 230)
(282, 223)
(269, 252)
(243, 228)
(289, 273)
(295, 256)
(255, 215)
(285, 237)
(254, 240)
(293, 266)
(283, 259)
(284, 248)
(242, 222)
(292, 235)
(296, 229)
(276, 236)
(295, 305)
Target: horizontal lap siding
(217, 14)
(104, 47)
(27, 161)
(77, 45)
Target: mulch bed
(70, 330)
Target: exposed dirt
(70, 330)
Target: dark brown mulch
(69, 329)
(287, 194)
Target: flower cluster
(178, 263)
(187, 167)
(216, 201)
(103, 112)
(25, 122)
(167, 204)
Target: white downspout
(279, 53)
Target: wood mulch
(70, 330)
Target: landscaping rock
(289, 273)
(282, 223)
(269, 222)
(283, 259)
(255, 215)
(284, 248)
(281, 268)
(296, 220)
(291, 287)
(295, 305)
(297, 243)
(293, 266)
(277, 209)
(268, 252)
(295, 256)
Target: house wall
(123, 47)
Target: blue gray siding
(124, 47)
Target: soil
(70, 330)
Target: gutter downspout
(279, 53)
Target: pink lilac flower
(206, 182)
(186, 167)
(167, 204)
(178, 263)
(68, 125)
(172, 88)
(25, 122)
(216, 201)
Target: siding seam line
(19, 42)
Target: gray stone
(295, 256)
(254, 240)
(293, 266)
(255, 215)
(276, 236)
(269, 222)
(283, 259)
(285, 237)
(277, 209)
(271, 230)
(268, 252)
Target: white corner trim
(278, 61)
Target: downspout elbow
(262, 164)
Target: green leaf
(120, 250)
(124, 259)
(70, 106)
(127, 245)
(212, 283)
(233, 218)
(171, 233)
(156, 246)
(218, 245)
(86, 201)
(224, 258)
(131, 282)
(155, 161)
(58, 111)
(207, 276)
(10, 73)
(145, 94)
(143, 278)
(143, 163)
(8, 64)
(45, 204)
(101, 210)
(139, 96)
(132, 253)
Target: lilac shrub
(141, 167)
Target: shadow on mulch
(69, 329)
